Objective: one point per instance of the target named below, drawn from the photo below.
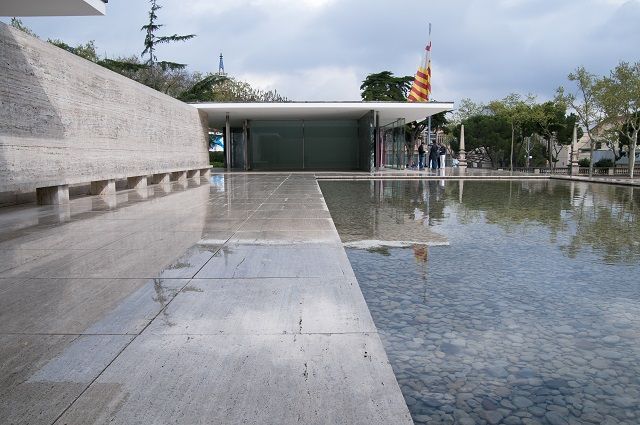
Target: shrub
(605, 163)
(584, 162)
(215, 157)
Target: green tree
(564, 134)
(86, 51)
(518, 113)
(619, 95)
(551, 122)
(468, 108)
(217, 88)
(203, 90)
(384, 86)
(487, 135)
(413, 130)
(151, 40)
(585, 104)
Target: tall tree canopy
(585, 104)
(517, 112)
(384, 86)
(489, 135)
(551, 122)
(619, 96)
(151, 40)
(218, 88)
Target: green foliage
(413, 130)
(17, 24)
(584, 103)
(384, 86)
(619, 97)
(203, 90)
(467, 109)
(216, 157)
(564, 133)
(217, 88)
(539, 157)
(518, 112)
(489, 135)
(546, 126)
(584, 162)
(549, 118)
(123, 65)
(86, 51)
(604, 163)
(173, 82)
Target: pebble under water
(530, 314)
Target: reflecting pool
(514, 302)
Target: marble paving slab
(275, 379)
(227, 301)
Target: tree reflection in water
(578, 216)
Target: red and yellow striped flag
(421, 88)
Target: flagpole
(429, 124)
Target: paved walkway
(624, 181)
(222, 303)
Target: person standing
(443, 154)
(433, 156)
(421, 156)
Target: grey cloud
(484, 49)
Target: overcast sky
(323, 49)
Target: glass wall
(331, 145)
(237, 148)
(304, 145)
(276, 145)
(394, 146)
(366, 141)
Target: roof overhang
(52, 7)
(388, 111)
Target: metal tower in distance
(221, 67)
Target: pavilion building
(316, 135)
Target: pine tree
(151, 40)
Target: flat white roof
(388, 111)
(52, 7)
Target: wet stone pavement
(531, 313)
(229, 300)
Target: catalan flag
(421, 88)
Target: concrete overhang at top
(52, 7)
(388, 111)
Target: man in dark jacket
(421, 156)
(433, 156)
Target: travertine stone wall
(65, 120)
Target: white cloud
(321, 83)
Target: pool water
(513, 302)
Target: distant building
(601, 151)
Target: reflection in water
(371, 213)
(530, 315)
